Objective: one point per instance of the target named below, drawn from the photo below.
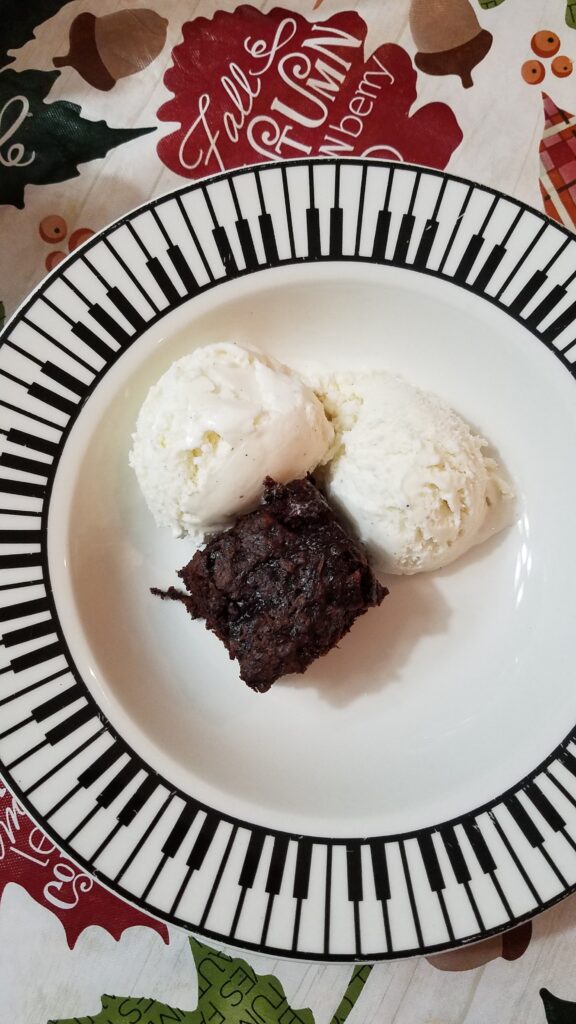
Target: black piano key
(22, 487)
(78, 387)
(268, 237)
(26, 633)
(100, 765)
(117, 784)
(327, 900)
(479, 846)
(52, 399)
(404, 237)
(18, 611)
(36, 657)
(109, 324)
(182, 267)
(527, 292)
(70, 725)
(468, 259)
(380, 869)
(25, 465)
(524, 821)
(176, 837)
(568, 760)
(313, 229)
(489, 268)
(336, 230)
(203, 841)
(381, 235)
(277, 862)
(354, 871)
(555, 295)
(426, 242)
(252, 860)
(126, 308)
(360, 214)
(455, 855)
(225, 250)
(302, 873)
(40, 444)
(564, 320)
(137, 800)
(57, 703)
(163, 280)
(247, 243)
(21, 561)
(542, 804)
(20, 536)
(431, 862)
(91, 339)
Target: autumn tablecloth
(106, 104)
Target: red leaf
(250, 87)
(30, 858)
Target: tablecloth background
(98, 114)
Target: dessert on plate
(282, 586)
(223, 450)
(215, 424)
(409, 475)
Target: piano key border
(381, 897)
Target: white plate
(414, 790)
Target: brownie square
(282, 586)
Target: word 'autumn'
(313, 75)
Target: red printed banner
(250, 87)
(30, 858)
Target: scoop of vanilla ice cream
(214, 425)
(408, 473)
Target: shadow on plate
(371, 655)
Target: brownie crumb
(282, 586)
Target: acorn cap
(440, 25)
(83, 53)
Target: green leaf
(558, 1011)
(44, 142)
(18, 21)
(352, 994)
(570, 15)
(121, 1010)
(230, 992)
(487, 5)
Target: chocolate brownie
(282, 586)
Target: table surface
(85, 135)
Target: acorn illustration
(104, 49)
(449, 38)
